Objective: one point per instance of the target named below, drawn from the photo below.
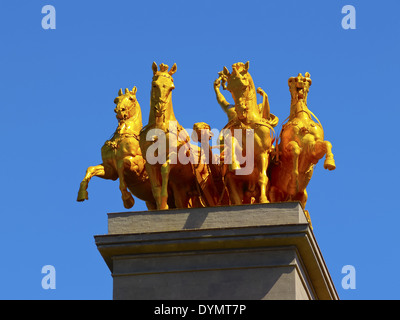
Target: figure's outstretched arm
(220, 98)
(264, 106)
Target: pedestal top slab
(284, 213)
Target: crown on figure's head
(300, 78)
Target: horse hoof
(329, 164)
(234, 166)
(128, 202)
(264, 200)
(164, 204)
(82, 195)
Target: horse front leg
(325, 148)
(262, 177)
(165, 169)
(126, 195)
(181, 195)
(101, 171)
(151, 205)
(235, 188)
(329, 161)
(230, 148)
(153, 174)
(292, 151)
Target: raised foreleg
(325, 148)
(329, 161)
(102, 171)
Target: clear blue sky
(56, 110)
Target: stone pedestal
(260, 251)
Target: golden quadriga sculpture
(160, 163)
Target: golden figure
(207, 167)
(301, 146)
(173, 182)
(246, 114)
(121, 155)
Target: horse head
(239, 80)
(240, 84)
(162, 86)
(299, 87)
(126, 104)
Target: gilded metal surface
(162, 165)
(173, 182)
(246, 114)
(300, 148)
(121, 155)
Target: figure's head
(299, 87)
(162, 83)
(126, 104)
(239, 79)
(201, 131)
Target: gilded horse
(121, 155)
(164, 143)
(300, 148)
(253, 121)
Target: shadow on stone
(195, 220)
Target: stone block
(260, 251)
